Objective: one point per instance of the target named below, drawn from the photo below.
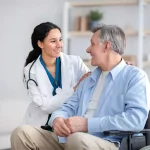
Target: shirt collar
(96, 74)
(114, 72)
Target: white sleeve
(46, 103)
(82, 68)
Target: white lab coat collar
(66, 71)
(44, 84)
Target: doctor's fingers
(85, 76)
(81, 79)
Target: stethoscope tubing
(30, 76)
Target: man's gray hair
(114, 34)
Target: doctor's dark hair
(40, 32)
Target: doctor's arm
(82, 68)
(135, 113)
(69, 108)
(44, 102)
(51, 103)
(82, 72)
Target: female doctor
(50, 75)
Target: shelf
(79, 33)
(147, 32)
(130, 59)
(89, 33)
(131, 33)
(146, 63)
(147, 1)
(104, 3)
(140, 33)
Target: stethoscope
(29, 80)
(46, 127)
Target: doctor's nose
(59, 44)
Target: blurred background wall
(17, 20)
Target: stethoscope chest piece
(58, 90)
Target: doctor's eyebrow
(56, 38)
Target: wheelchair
(133, 141)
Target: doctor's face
(52, 44)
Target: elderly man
(113, 97)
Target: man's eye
(53, 41)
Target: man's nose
(88, 50)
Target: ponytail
(40, 32)
(33, 55)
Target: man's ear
(40, 44)
(107, 46)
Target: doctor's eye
(53, 41)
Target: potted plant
(94, 17)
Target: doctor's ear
(40, 44)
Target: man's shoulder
(134, 72)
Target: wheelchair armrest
(115, 132)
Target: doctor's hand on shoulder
(82, 78)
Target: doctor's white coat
(43, 102)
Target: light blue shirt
(123, 104)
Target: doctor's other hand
(82, 78)
(77, 124)
(60, 128)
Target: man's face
(96, 50)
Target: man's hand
(77, 124)
(60, 128)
